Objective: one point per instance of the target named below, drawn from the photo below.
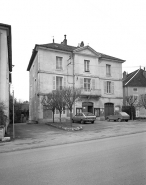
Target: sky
(113, 27)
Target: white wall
(4, 72)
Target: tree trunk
(53, 116)
(71, 117)
(60, 117)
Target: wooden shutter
(105, 87)
(54, 82)
(112, 87)
(93, 84)
(81, 83)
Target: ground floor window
(57, 111)
(97, 112)
(78, 110)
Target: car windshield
(123, 113)
(88, 114)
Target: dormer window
(86, 65)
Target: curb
(66, 128)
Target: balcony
(91, 92)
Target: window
(109, 87)
(59, 83)
(86, 65)
(78, 110)
(87, 84)
(135, 89)
(58, 62)
(57, 111)
(108, 70)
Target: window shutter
(81, 83)
(54, 82)
(84, 65)
(93, 84)
(64, 81)
(105, 87)
(112, 87)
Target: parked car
(120, 116)
(84, 117)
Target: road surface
(111, 161)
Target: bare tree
(142, 101)
(70, 94)
(49, 103)
(58, 99)
(132, 102)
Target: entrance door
(109, 109)
(87, 107)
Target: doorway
(87, 107)
(109, 109)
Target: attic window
(135, 89)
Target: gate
(109, 109)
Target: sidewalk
(28, 136)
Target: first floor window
(59, 83)
(109, 87)
(87, 84)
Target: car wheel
(126, 120)
(119, 120)
(72, 121)
(92, 122)
(82, 121)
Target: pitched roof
(136, 79)
(62, 47)
(9, 43)
(67, 48)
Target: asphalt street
(110, 161)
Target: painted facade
(134, 84)
(59, 65)
(5, 66)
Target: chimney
(53, 39)
(64, 41)
(124, 75)
(82, 44)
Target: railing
(94, 92)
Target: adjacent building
(5, 66)
(134, 84)
(54, 66)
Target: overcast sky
(113, 27)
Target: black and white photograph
(72, 92)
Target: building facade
(134, 84)
(5, 66)
(54, 66)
